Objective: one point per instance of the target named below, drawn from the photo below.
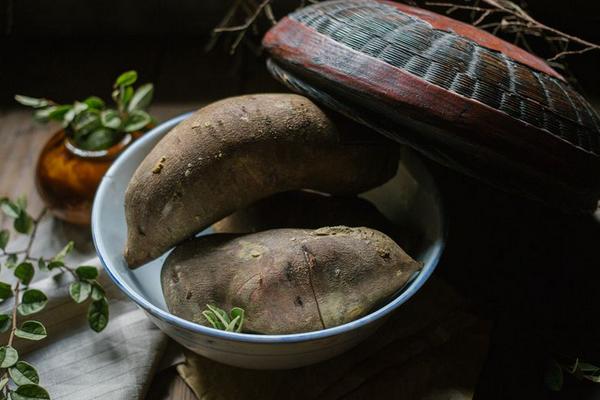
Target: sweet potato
(311, 210)
(286, 280)
(236, 151)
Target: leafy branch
(515, 20)
(20, 380)
(89, 124)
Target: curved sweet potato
(287, 280)
(236, 151)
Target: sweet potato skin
(287, 280)
(234, 152)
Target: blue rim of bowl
(181, 323)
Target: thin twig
(36, 223)
(519, 22)
(14, 314)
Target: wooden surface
(21, 140)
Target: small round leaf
(98, 315)
(4, 237)
(87, 272)
(5, 291)
(137, 120)
(23, 373)
(29, 392)
(32, 330)
(80, 291)
(110, 119)
(8, 356)
(9, 208)
(33, 300)
(23, 224)
(5, 322)
(25, 272)
(98, 292)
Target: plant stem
(36, 223)
(14, 313)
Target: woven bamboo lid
(459, 95)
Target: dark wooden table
(22, 141)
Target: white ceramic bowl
(410, 198)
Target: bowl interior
(409, 199)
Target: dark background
(533, 271)
(66, 49)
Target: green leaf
(21, 202)
(100, 139)
(98, 315)
(60, 256)
(8, 356)
(31, 330)
(137, 120)
(80, 107)
(110, 119)
(24, 223)
(29, 392)
(32, 101)
(85, 123)
(11, 261)
(42, 265)
(237, 312)
(58, 113)
(126, 79)
(23, 373)
(4, 238)
(94, 102)
(55, 264)
(212, 319)
(5, 291)
(86, 272)
(11, 209)
(141, 98)
(124, 96)
(33, 301)
(43, 114)
(97, 291)
(3, 383)
(219, 319)
(80, 291)
(24, 272)
(220, 315)
(5, 322)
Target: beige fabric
(430, 349)
(76, 363)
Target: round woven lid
(456, 93)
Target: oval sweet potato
(236, 151)
(286, 280)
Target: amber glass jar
(67, 176)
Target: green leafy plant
(89, 124)
(19, 379)
(219, 319)
(580, 369)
